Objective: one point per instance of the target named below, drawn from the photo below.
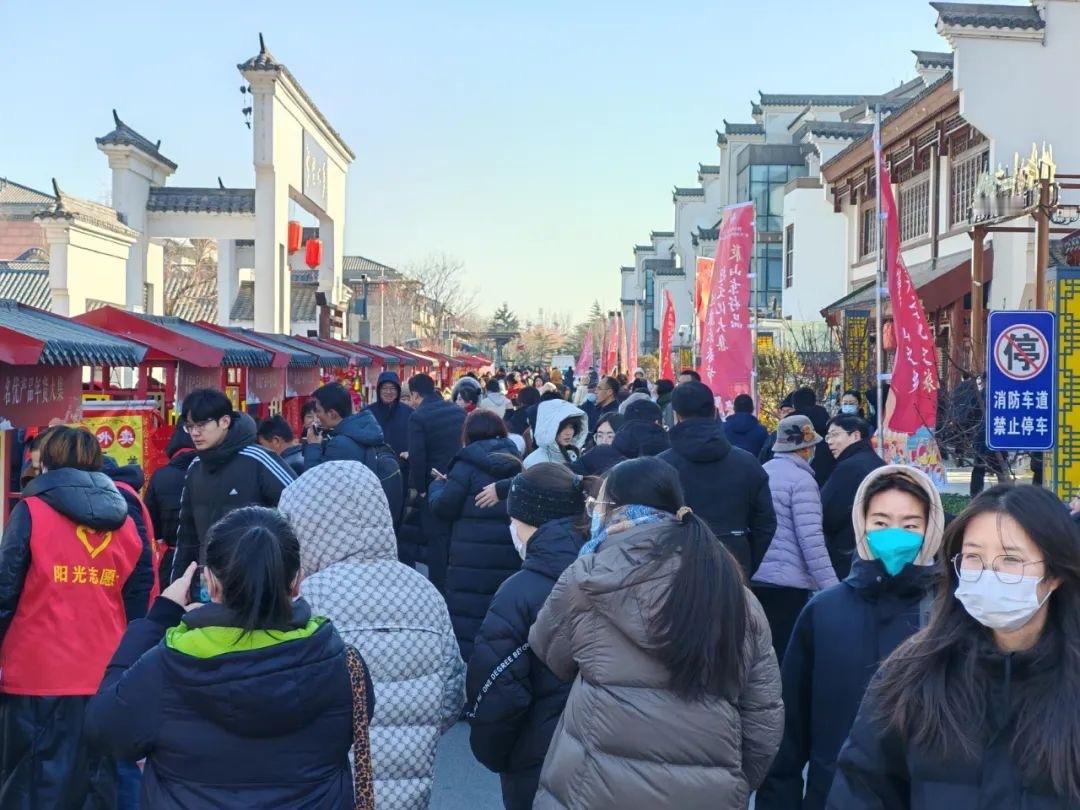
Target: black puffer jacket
(598, 460)
(89, 498)
(349, 441)
(726, 487)
(132, 475)
(163, 501)
(636, 438)
(837, 498)
(226, 726)
(482, 554)
(434, 438)
(234, 474)
(514, 710)
(840, 639)
(393, 418)
(878, 769)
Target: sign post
(1021, 380)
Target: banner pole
(878, 349)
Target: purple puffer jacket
(797, 557)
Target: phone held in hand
(198, 591)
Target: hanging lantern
(888, 337)
(296, 235)
(313, 253)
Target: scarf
(620, 520)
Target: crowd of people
(634, 601)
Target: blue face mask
(596, 524)
(849, 409)
(894, 547)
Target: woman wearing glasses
(980, 709)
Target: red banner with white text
(667, 334)
(912, 402)
(726, 349)
(632, 349)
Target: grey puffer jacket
(797, 556)
(389, 612)
(625, 740)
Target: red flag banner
(632, 348)
(667, 334)
(702, 286)
(585, 359)
(611, 355)
(623, 353)
(913, 391)
(726, 350)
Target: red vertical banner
(913, 392)
(702, 286)
(667, 334)
(726, 349)
(585, 359)
(611, 357)
(632, 348)
(623, 352)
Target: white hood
(551, 414)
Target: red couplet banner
(726, 348)
(667, 334)
(913, 393)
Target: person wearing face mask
(851, 404)
(846, 631)
(848, 441)
(513, 699)
(980, 708)
(796, 561)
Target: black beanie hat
(536, 505)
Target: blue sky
(535, 142)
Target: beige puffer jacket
(625, 740)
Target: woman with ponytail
(676, 694)
(247, 701)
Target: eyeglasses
(1007, 568)
(198, 427)
(836, 434)
(591, 504)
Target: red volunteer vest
(70, 616)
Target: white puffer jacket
(390, 613)
(549, 415)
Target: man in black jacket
(391, 413)
(230, 471)
(805, 402)
(848, 441)
(276, 435)
(434, 438)
(163, 496)
(725, 486)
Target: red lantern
(313, 253)
(296, 235)
(888, 337)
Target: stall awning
(325, 356)
(298, 357)
(403, 358)
(940, 282)
(172, 338)
(352, 354)
(31, 336)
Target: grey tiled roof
(236, 353)
(123, 135)
(26, 282)
(17, 194)
(65, 206)
(627, 269)
(326, 358)
(934, 58)
(301, 305)
(298, 357)
(202, 200)
(803, 99)
(689, 192)
(832, 129)
(355, 266)
(643, 248)
(661, 234)
(264, 60)
(707, 169)
(68, 342)
(755, 108)
(743, 129)
(661, 267)
(985, 15)
(192, 301)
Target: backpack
(383, 461)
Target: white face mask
(998, 605)
(519, 544)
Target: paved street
(462, 783)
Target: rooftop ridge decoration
(265, 61)
(704, 168)
(813, 99)
(186, 199)
(687, 191)
(743, 129)
(661, 234)
(32, 195)
(643, 248)
(74, 208)
(124, 135)
(934, 58)
(832, 129)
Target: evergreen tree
(504, 320)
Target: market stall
(356, 372)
